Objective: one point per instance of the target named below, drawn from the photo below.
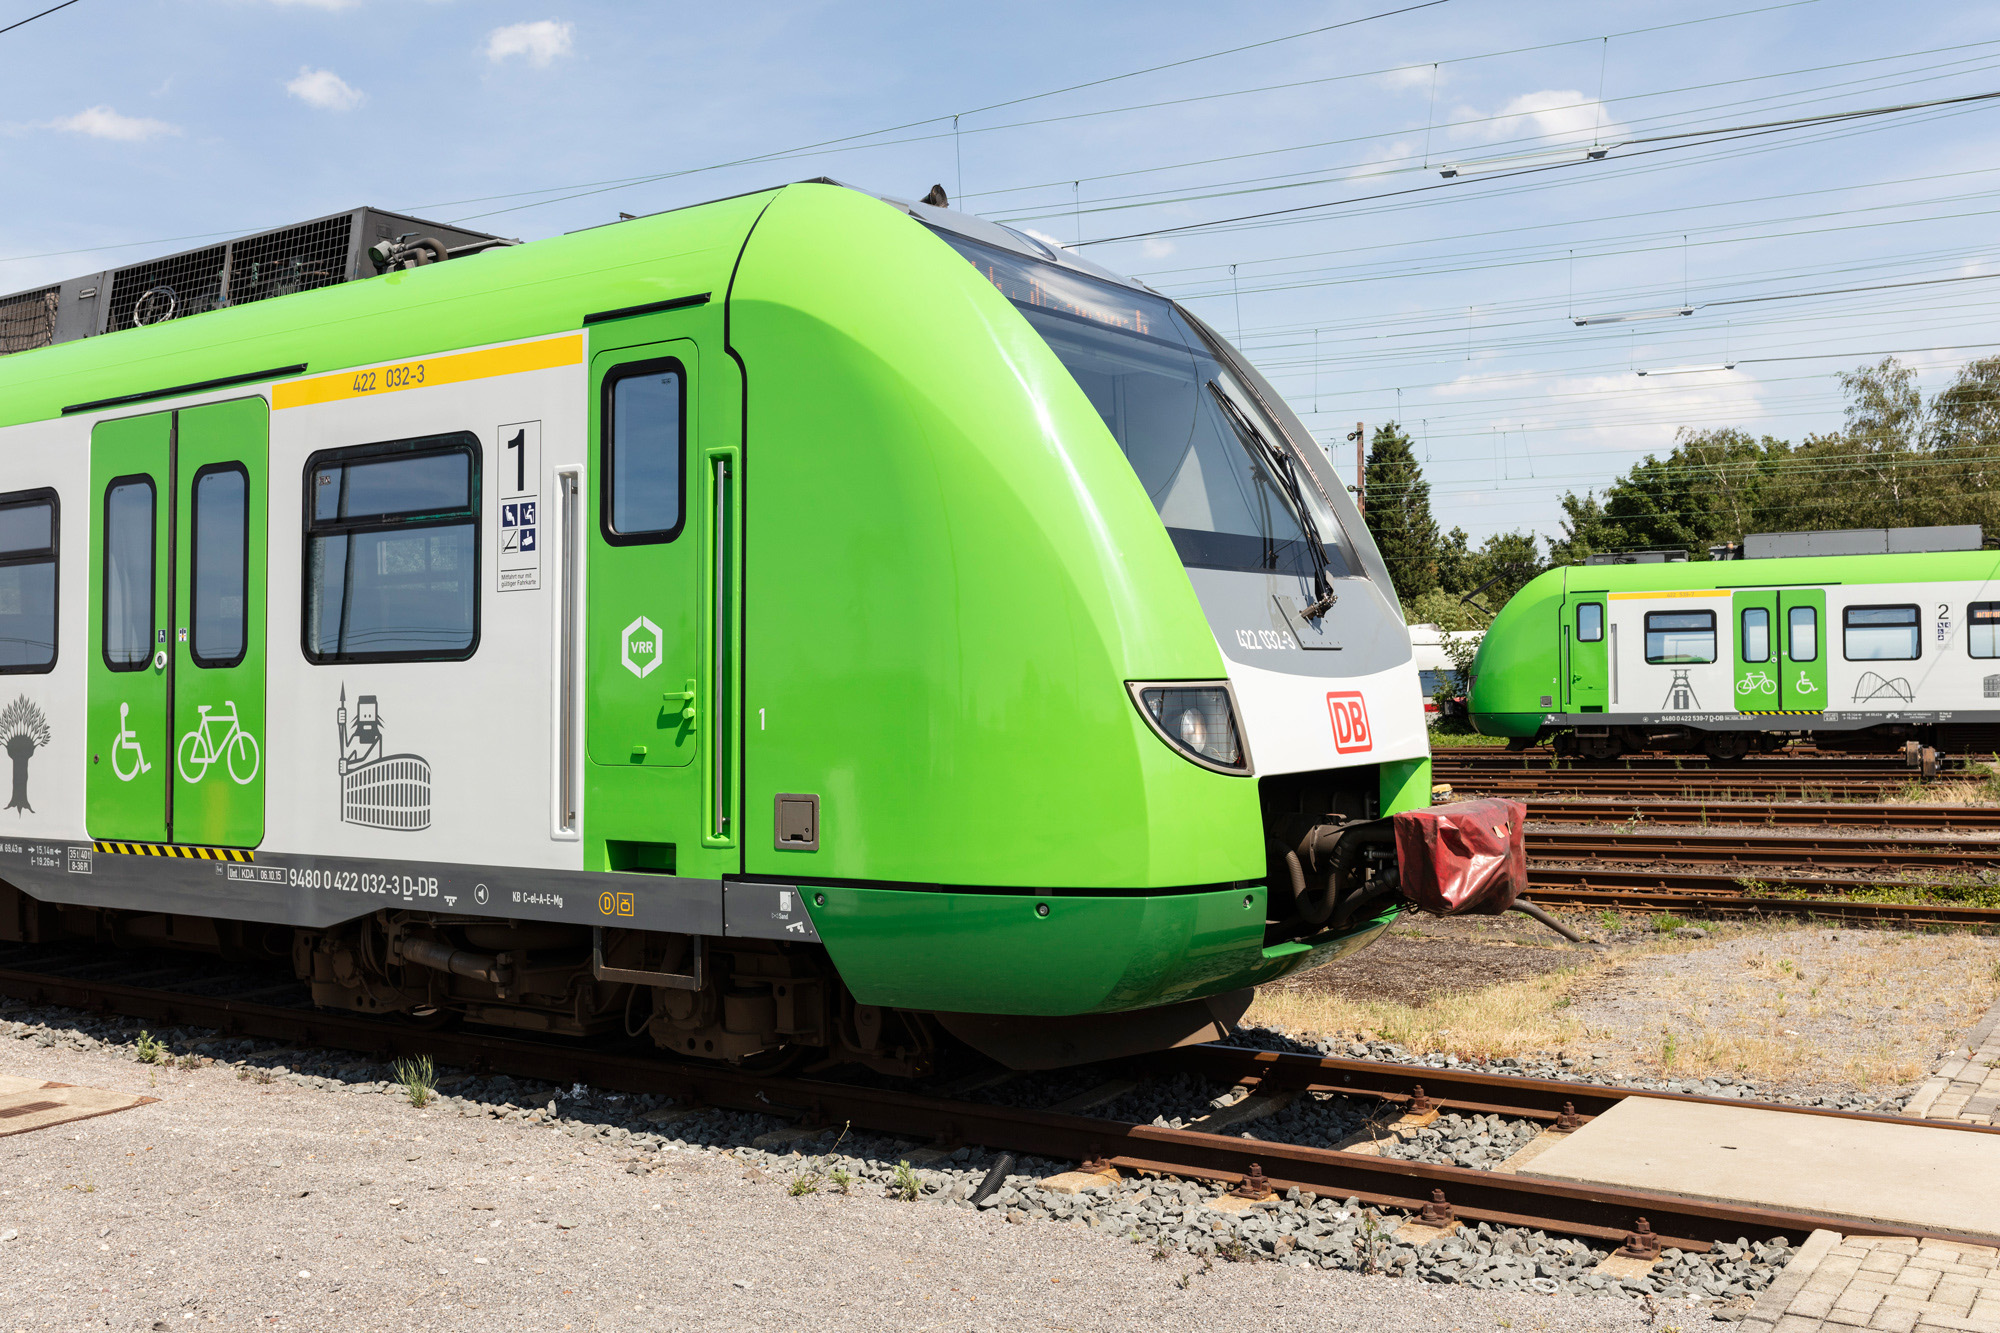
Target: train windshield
(1229, 497)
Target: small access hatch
(798, 823)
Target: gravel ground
(268, 1193)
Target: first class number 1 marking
(389, 377)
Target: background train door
(1802, 636)
(177, 625)
(661, 731)
(1758, 650)
(1586, 663)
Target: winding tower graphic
(385, 791)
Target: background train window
(1802, 634)
(1982, 629)
(643, 436)
(1680, 636)
(1880, 634)
(1755, 640)
(392, 551)
(1590, 622)
(27, 581)
(221, 559)
(128, 573)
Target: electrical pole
(1360, 438)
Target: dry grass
(1508, 1019)
(1961, 792)
(1788, 1006)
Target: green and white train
(802, 622)
(1723, 657)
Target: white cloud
(325, 89)
(1562, 114)
(1410, 76)
(1156, 248)
(101, 122)
(541, 41)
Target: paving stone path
(1886, 1284)
(1966, 1086)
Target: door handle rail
(688, 697)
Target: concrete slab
(1861, 1170)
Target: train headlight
(1197, 718)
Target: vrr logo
(640, 647)
(1349, 712)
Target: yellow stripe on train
(1781, 712)
(176, 850)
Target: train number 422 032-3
(389, 377)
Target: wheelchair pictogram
(127, 743)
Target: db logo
(1350, 722)
(616, 904)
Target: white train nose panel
(1303, 724)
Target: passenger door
(177, 626)
(1758, 670)
(1586, 683)
(1802, 618)
(660, 598)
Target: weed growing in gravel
(803, 1185)
(151, 1050)
(1163, 1250)
(189, 1061)
(1371, 1241)
(418, 1080)
(839, 1179)
(1609, 919)
(1666, 923)
(1233, 1250)
(1669, 1048)
(905, 1185)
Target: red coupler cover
(1466, 857)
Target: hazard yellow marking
(176, 850)
(1630, 596)
(1781, 712)
(450, 368)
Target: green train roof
(1818, 570)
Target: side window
(1590, 622)
(1880, 634)
(129, 520)
(221, 561)
(27, 581)
(392, 552)
(1683, 637)
(644, 430)
(1755, 639)
(1802, 634)
(1982, 629)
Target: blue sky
(1448, 305)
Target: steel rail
(1809, 813)
(1586, 785)
(1727, 904)
(1600, 1212)
(1830, 853)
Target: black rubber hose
(1526, 908)
(1003, 1166)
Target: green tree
(1399, 513)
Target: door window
(392, 552)
(1880, 634)
(1982, 632)
(1590, 622)
(1802, 634)
(644, 407)
(1755, 639)
(221, 564)
(128, 573)
(27, 581)
(1686, 637)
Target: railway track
(1810, 814)
(1598, 1212)
(1819, 854)
(1691, 785)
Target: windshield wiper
(1288, 485)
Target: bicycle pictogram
(237, 748)
(128, 740)
(1756, 682)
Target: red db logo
(1350, 722)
